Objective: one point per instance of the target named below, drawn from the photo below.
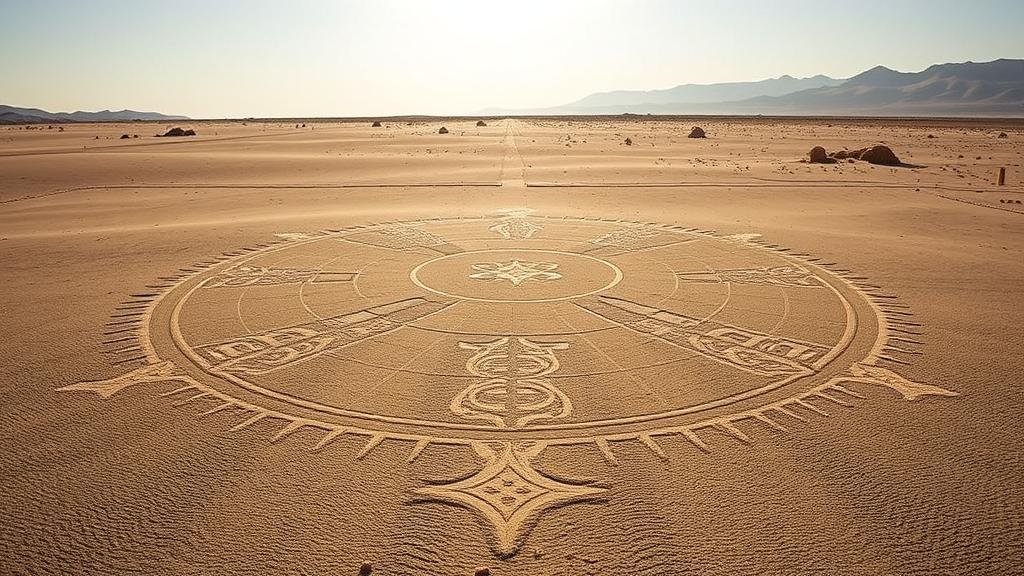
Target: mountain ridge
(17, 115)
(994, 88)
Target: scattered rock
(879, 155)
(697, 132)
(179, 132)
(365, 569)
(819, 156)
(443, 130)
(1003, 135)
(376, 124)
(481, 123)
(629, 142)
(840, 154)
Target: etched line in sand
(745, 349)
(275, 349)
(515, 225)
(245, 276)
(777, 276)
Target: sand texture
(294, 347)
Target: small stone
(365, 569)
(480, 123)
(629, 142)
(376, 124)
(482, 571)
(443, 130)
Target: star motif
(508, 492)
(515, 271)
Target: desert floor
(297, 347)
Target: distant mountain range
(14, 115)
(617, 101)
(967, 89)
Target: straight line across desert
(732, 327)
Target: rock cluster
(882, 155)
(179, 132)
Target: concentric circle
(513, 327)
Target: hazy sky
(221, 58)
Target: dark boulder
(179, 132)
(697, 132)
(480, 123)
(818, 155)
(882, 155)
(443, 130)
(376, 124)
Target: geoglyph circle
(513, 327)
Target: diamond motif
(515, 271)
(508, 492)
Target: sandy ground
(511, 346)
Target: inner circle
(516, 276)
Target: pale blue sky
(222, 58)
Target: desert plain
(303, 346)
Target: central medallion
(515, 271)
(516, 276)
